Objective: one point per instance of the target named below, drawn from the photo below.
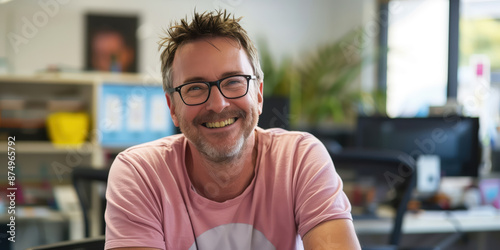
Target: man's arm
(332, 234)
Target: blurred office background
(326, 63)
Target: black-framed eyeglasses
(196, 93)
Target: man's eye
(196, 88)
(234, 82)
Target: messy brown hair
(208, 24)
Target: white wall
(291, 27)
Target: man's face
(211, 59)
(105, 46)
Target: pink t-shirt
(151, 202)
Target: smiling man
(224, 183)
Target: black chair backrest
(394, 170)
(85, 244)
(82, 177)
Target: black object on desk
(393, 171)
(455, 139)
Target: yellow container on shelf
(65, 128)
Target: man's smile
(220, 124)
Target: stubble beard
(224, 153)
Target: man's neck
(222, 181)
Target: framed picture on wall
(111, 43)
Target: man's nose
(216, 101)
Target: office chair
(85, 244)
(82, 177)
(392, 171)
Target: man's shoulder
(165, 144)
(161, 157)
(279, 135)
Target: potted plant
(279, 80)
(322, 90)
(328, 92)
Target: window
(417, 57)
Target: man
(223, 183)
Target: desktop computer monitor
(454, 139)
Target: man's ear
(171, 107)
(260, 97)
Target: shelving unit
(44, 89)
(27, 100)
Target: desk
(430, 228)
(433, 222)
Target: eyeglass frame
(210, 84)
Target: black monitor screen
(454, 139)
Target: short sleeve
(318, 188)
(133, 212)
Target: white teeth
(220, 124)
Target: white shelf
(87, 78)
(26, 213)
(43, 147)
